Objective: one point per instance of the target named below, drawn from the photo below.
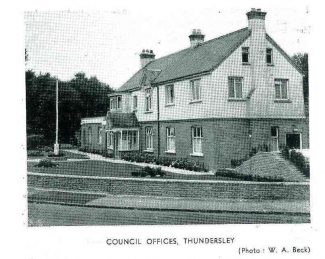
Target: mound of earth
(271, 165)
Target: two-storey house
(212, 102)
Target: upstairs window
(119, 102)
(197, 140)
(196, 89)
(269, 56)
(115, 102)
(281, 89)
(148, 94)
(135, 103)
(245, 55)
(112, 103)
(170, 133)
(235, 87)
(170, 94)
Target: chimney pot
(196, 37)
(146, 56)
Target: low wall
(173, 188)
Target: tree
(78, 98)
(301, 59)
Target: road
(72, 208)
(41, 214)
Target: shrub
(51, 154)
(285, 152)
(231, 173)
(237, 162)
(150, 171)
(46, 163)
(135, 173)
(160, 172)
(165, 161)
(35, 153)
(300, 162)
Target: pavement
(101, 200)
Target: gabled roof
(122, 120)
(287, 57)
(190, 61)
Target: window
(119, 102)
(196, 89)
(112, 103)
(99, 135)
(115, 102)
(235, 87)
(84, 136)
(89, 135)
(170, 94)
(110, 140)
(148, 99)
(281, 89)
(148, 138)
(197, 140)
(269, 56)
(170, 133)
(245, 55)
(274, 131)
(132, 140)
(135, 103)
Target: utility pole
(56, 144)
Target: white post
(56, 145)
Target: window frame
(110, 140)
(170, 99)
(196, 95)
(269, 55)
(148, 99)
(170, 138)
(245, 51)
(135, 102)
(281, 81)
(148, 138)
(197, 139)
(233, 79)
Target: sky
(107, 44)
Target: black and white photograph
(210, 130)
(181, 126)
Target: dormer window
(269, 56)
(245, 55)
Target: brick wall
(174, 188)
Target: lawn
(102, 168)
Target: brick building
(212, 102)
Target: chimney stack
(196, 38)
(256, 19)
(146, 56)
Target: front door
(274, 138)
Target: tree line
(78, 98)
